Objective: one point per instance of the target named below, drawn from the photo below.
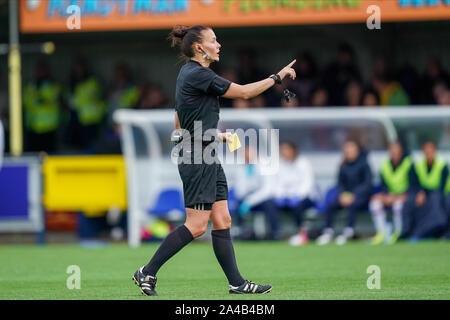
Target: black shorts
(203, 184)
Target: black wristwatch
(276, 78)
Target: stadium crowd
(416, 193)
(77, 115)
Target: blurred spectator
(241, 104)
(410, 80)
(395, 179)
(152, 97)
(354, 188)
(123, 93)
(438, 90)
(339, 73)
(88, 109)
(254, 192)
(293, 102)
(434, 74)
(248, 70)
(319, 97)
(444, 98)
(380, 67)
(306, 80)
(447, 206)
(42, 102)
(229, 74)
(424, 213)
(390, 92)
(370, 98)
(4, 111)
(353, 94)
(274, 96)
(257, 102)
(295, 187)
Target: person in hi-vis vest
(88, 109)
(395, 180)
(447, 206)
(424, 214)
(123, 94)
(42, 101)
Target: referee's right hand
(288, 71)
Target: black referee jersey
(197, 99)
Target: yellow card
(235, 143)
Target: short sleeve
(208, 81)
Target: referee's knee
(197, 230)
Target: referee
(204, 185)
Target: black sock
(223, 248)
(173, 243)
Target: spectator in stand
(295, 188)
(390, 92)
(438, 90)
(443, 98)
(370, 98)
(339, 73)
(447, 206)
(306, 80)
(43, 109)
(230, 74)
(152, 97)
(257, 102)
(424, 213)
(274, 96)
(87, 106)
(319, 97)
(292, 103)
(353, 94)
(123, 92)
(410, 81)
(241, 104)
(396, 173)
(4, 108)
(434, 74)
(354, 188)
(248, 71)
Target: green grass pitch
(408, 271)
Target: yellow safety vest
(430, 180)
(129, 97)
(396, 180)
(41, 106)
(87, 101)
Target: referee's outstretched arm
(248, 91)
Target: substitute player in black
(204, 185)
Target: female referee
(204, 185)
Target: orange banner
(103, 15)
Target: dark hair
(185, 37)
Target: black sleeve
(208, 81)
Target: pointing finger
(290, 64)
